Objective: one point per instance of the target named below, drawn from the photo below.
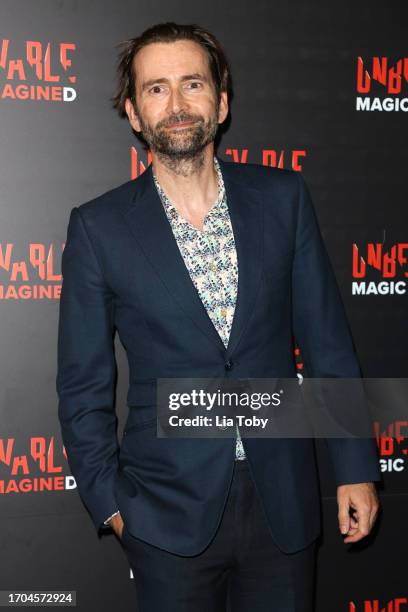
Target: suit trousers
(240, 570)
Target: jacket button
(228, 365)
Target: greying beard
(181, 165)
(184, 156)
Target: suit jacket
(122, 270)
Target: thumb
(343, 515)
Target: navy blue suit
(122, 270)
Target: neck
(191, 184)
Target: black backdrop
(296, 89)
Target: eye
(156, 88)
(195, 84)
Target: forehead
(158, 60)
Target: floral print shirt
(211, 259)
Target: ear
(132, 115)
(223, 110)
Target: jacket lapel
(246, 212)
(148, 223)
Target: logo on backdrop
(269, 157)
(378, 270)
(36, 469)
(398, 604)
(32, 276)
(392, 445)
(35, 70)
(382, 84)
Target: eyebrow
(185, 77)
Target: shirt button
(213, 266)
(228, 365)
(224, 312)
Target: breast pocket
(277, 271)
(277, 262)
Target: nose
(176, 101)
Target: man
(205, 268)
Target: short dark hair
(168, 32)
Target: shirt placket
(211, 241)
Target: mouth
(180, 125)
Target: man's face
(177, 110)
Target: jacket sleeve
(322, 332)
(86, 373)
